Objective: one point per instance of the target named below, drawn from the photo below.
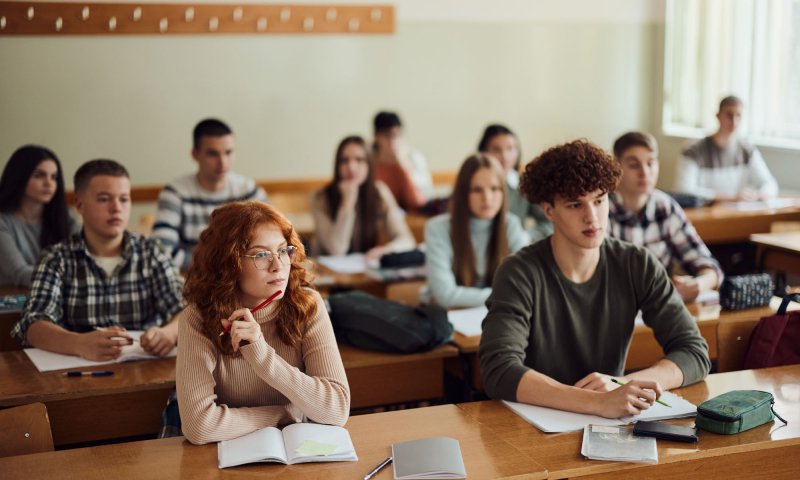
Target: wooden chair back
(25, 430)
(733, 338)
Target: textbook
(435, 457)
(604, 442)
(47, 361)
(297, 443)
(551, 420)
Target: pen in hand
(378, 468)
(623, 383)
(104, 373)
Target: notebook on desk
(297, 443)
(551, 420)
(47, 361)
(428, 458)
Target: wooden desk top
(560, 453)
(722, 223)
(787, 241)
(21, 383)
(486, 455)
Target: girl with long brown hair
(465, 246)
(240, 370)
(356, 213)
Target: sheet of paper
(47, 361)
(550, 420)
(313, 447)
(353, 263)
(468, 321)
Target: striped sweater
(271, 384)
(184, 209)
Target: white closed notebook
(297, 443)
(617, 443)
(434, 457)
(551, 420)
(47, 361)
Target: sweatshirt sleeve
(506, 329)
(674, 328)
(439, 264)
(331, 237)
(203, 420)
(321, 392)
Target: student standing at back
(645, 216)
(355, 212)
(90, 288)
(402, 169)
(33, 212)
(465, 247)
(562, 310)
(500, 142)
(724, 166)
(185, 204)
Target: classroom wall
(552, 70)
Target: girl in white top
(33, 212)
(355, 212)
(465, 247)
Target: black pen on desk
(623, 383)
(103, 373)
(378, 468)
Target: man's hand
(157, 341)
(102, 345)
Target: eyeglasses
(262, 260)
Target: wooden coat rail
(55, 18)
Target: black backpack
(369, 322)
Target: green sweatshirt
(538, 319)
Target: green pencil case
(736, 411)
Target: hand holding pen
(242, 326)
(102, 344)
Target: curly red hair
(213, 277)
(569, 171)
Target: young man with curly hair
(562, 311)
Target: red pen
(254, 310)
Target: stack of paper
(603, 442)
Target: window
(747, 48)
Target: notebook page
(296, 434)
(259, 446)
(45, 361)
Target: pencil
(623, 383)
(255, 309)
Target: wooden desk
(486, 455)
(723, 224)
(778, 251)
(378, 378)
(769, 451)
(85, 409)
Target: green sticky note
(313, 447)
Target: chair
(25, 430)
(733, 338)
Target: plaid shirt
(662, 228)
(72, 291)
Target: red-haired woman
(287, 364)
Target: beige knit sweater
(270, 384)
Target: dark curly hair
(570, 171)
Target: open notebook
(550, 420)
(297, 443)
(47, 361)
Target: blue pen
(104, 373)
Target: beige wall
(561, 70)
